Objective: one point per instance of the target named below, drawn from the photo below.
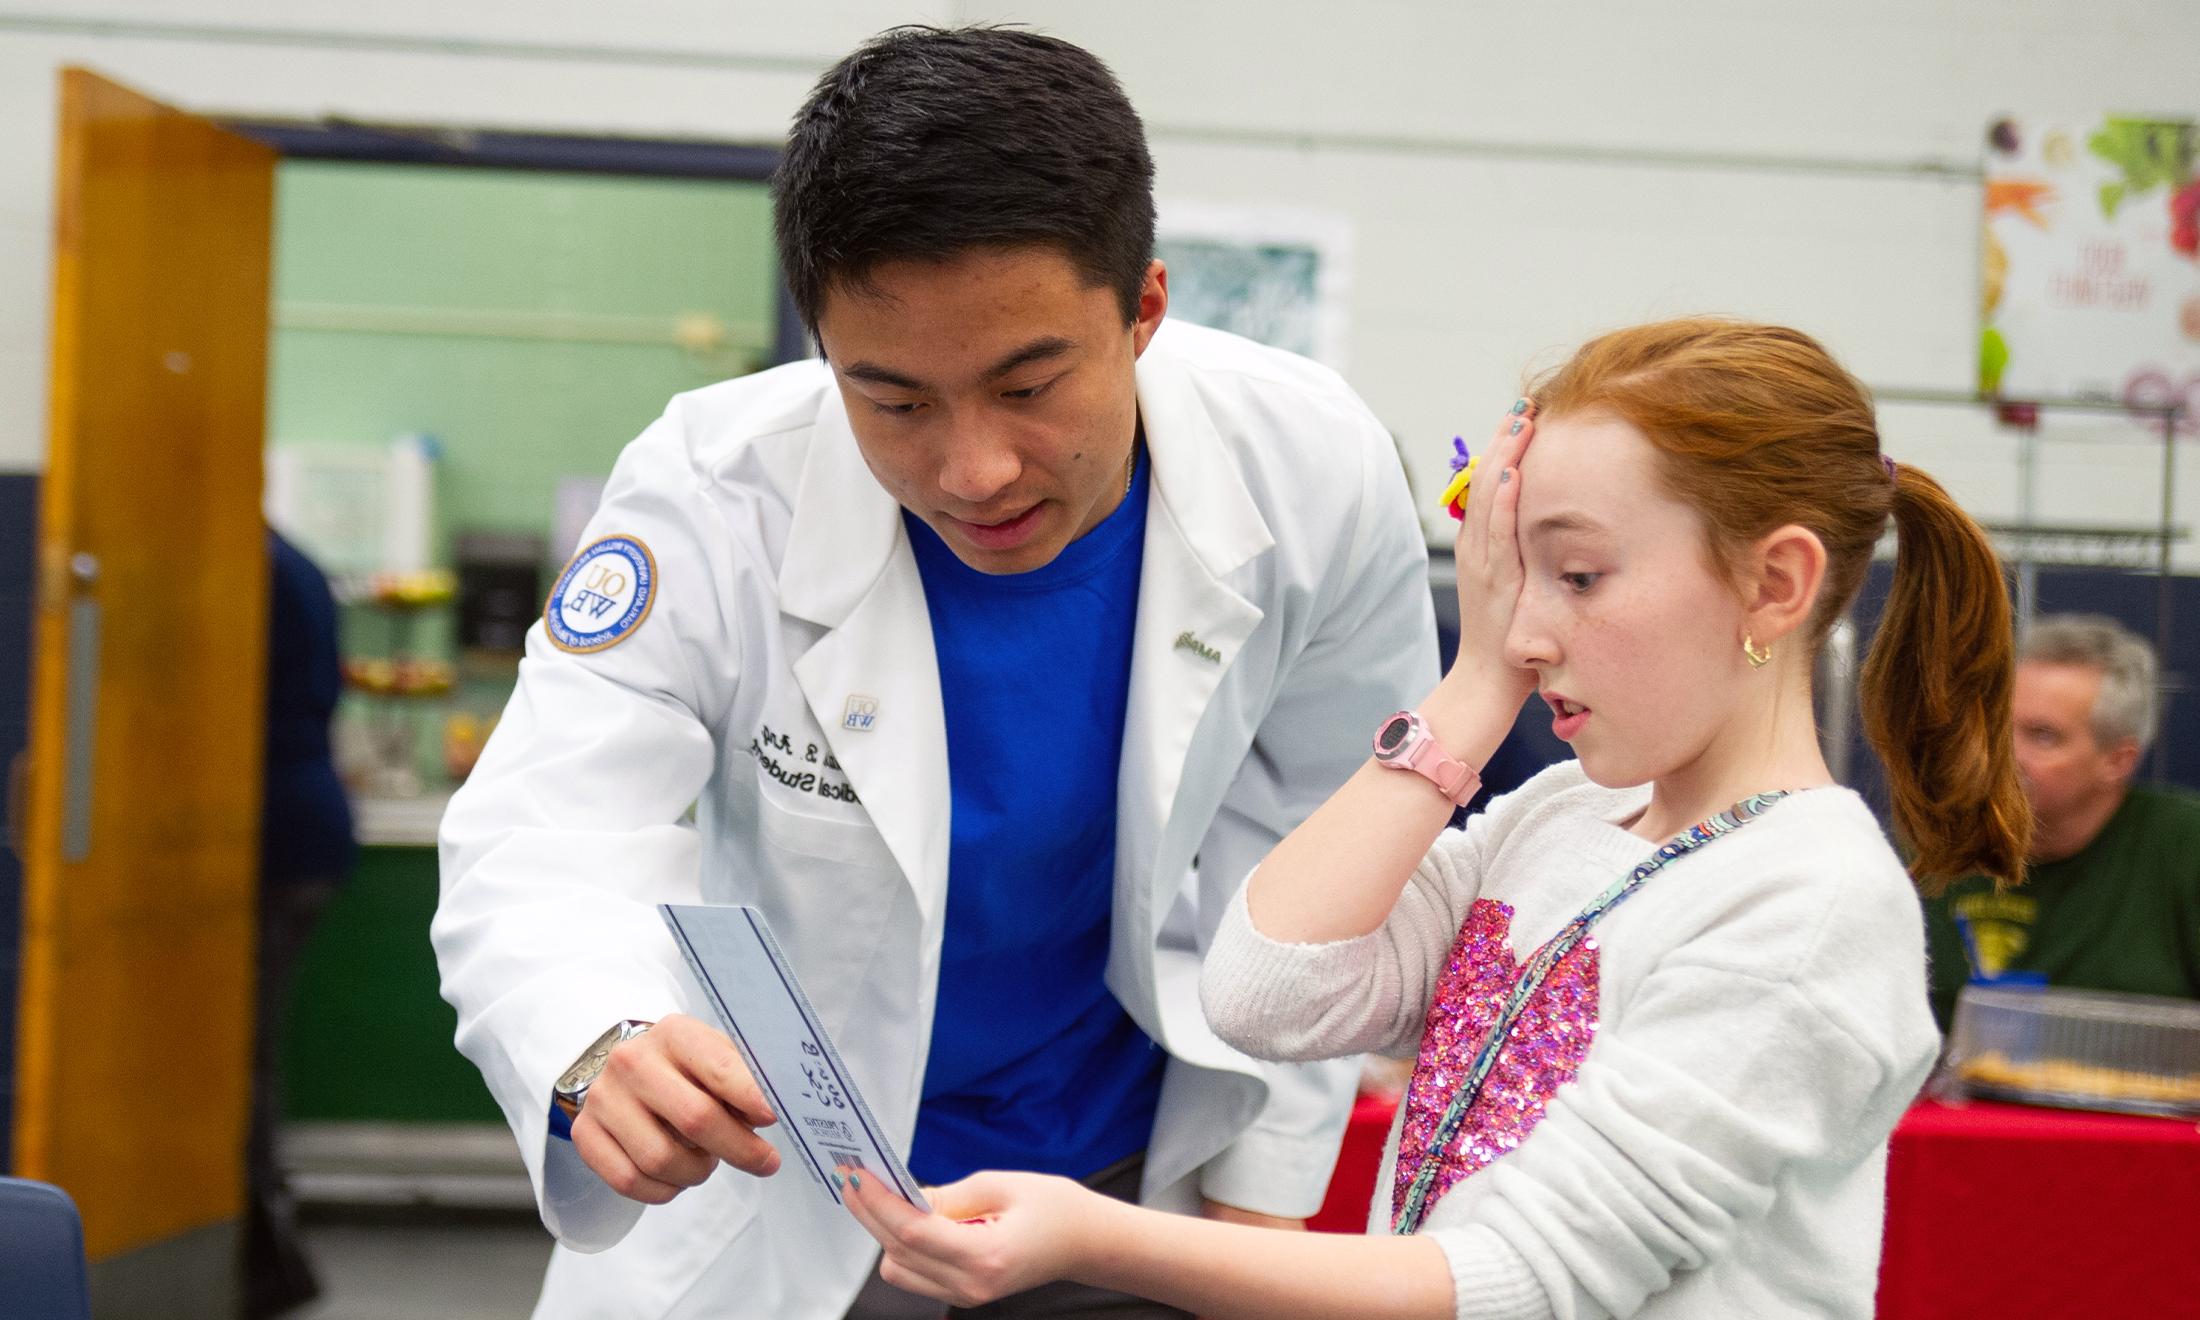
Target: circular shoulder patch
(603, 595)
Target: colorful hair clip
(1454, 498)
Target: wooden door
(140, 837)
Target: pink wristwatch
(1405, 743)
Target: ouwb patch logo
(861, 714)
(602, 596)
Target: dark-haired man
(992, 651)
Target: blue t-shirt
(1034, 1065)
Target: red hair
(1757, 428)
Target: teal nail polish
(1505, 476)
(1516, 428)
(855, 1180)
(1520, 406)
(839, 1181)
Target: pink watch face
(1394, 736)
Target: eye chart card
(740, 967)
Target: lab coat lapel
(872, 680)
(1201, 526)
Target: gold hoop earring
(1758, 658)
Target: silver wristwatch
(571, 1088)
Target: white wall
(1516, 176)
(676, 68)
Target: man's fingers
(603, 1154)
(645, 1141)
(670, 1127)
(698, 1117)
(708, 1056)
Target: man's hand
(670, 1105)
(1230, 1214)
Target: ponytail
(1936, 695)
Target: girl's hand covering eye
(1487, 552)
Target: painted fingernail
(1505, 476)
(1516, 427)
(839, 1181)
(1519, 406)
(855, 1180)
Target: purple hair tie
(1888, 464)
(1460, 454)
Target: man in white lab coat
(991, 653)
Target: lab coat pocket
(852, 841)
(826, 887)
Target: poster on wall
(1278, 277)
(2092, 262)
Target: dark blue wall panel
(2130, 598)
(18, 545)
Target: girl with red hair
(1668, 999)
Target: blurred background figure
(306, 850)
(2112, 898)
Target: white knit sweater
(1760, 1024)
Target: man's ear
(2123, 759)
(1153, 304)
(1787, 567)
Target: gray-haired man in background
(2112, 898)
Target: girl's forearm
(1338, 875)
(1220, 1271)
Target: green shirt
(2122, 913)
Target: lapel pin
(1186, 642)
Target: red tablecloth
(1352, 1186)
(2011, 1212)
(2002, 1212)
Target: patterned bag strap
(1415, 1209)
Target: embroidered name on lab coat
(807, 768)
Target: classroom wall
(671, 68)
(395, 286)
(1515, 177)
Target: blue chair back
(42, 1270)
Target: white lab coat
(1283, 610)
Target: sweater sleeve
(1685, 1120)
(1368, 994)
